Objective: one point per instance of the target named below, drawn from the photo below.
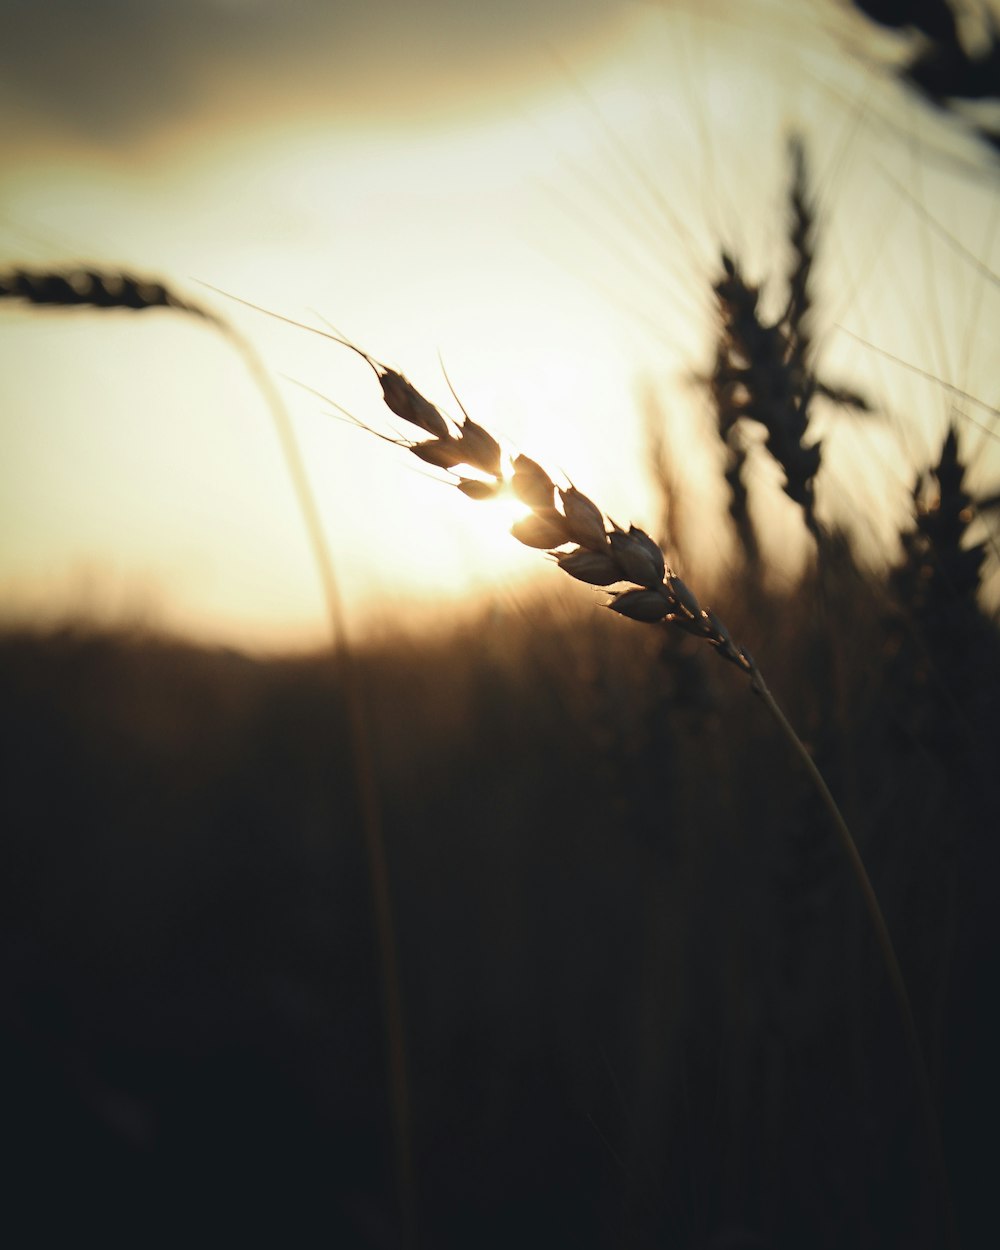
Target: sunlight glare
(556, 249)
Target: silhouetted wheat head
(764, 371)
(593, 549)
(562, 520)
(947, 65)
(75, 288)
(760, 375)
(941, 641)
(940, 576)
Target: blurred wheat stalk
(102, 289)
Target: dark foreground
(643, 1006)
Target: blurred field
(642, 1004)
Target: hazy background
(536, 192)
(641, 1002)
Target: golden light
(555, 242)
(507, 508)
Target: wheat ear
(576, 534)
(95, 288)
(764, 371)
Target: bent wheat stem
(94, 288)
(633, 569)
(885, 945)
(368, 794)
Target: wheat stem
(886, 948)
(104, 289)
(368, 794)
(577, 534)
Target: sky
(532, 197)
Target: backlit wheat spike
(632, 567)
(755, 378)
(802, 234)
(939, 579)
(942, 68)
(93, 288)
(572, 528)
(938, 633)
(764, 371)
(801, 237)
(778, 390)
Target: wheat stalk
(95, 288)
(590, 548)
(940, 577)
(764, 372)
(582, 541)
(103, 289)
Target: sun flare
(506, 506)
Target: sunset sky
(536, 193)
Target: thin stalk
(368, 796)
(95, 288)
(886, 948)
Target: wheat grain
(940, 577)
(763, 372)
(563, 520)
(592, 549)
(761, 380)
(108, 289)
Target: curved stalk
(368, 796)
(886, 949)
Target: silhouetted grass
(631, 1017)
(644, 1005)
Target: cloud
(113, 72)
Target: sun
(506, 506)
